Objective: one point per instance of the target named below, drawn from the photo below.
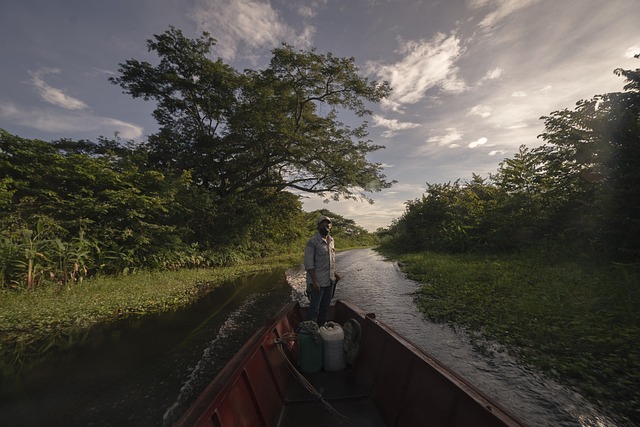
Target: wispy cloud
(309, 10)
(493, 74)
(64, 113)
(63, 121)
(632, 51)
(448, 139)
(100, 71)
(500, 9)
(389, 205)
(478, 142)
(497, 152)
(51, 94)
(392, 124)
(425, 64)
(248, 24)
(483, 111)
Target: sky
(470, 78)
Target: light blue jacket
(320, 255)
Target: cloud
(390, 105)
(449, 138)
(478, 142)
(520, 125)
(309, 11)
(388, 205)
(69, 115)
(498, 152)
(392, 124)
(101, 71)
(519, 94)
(632, 51)
(53, 95)
(250, 24)
(480, 110)
(493, 74)
(57, 121)
(424, 65)
(501, 9)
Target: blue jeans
(320, 302)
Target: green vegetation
(211, 188)
(87, 227)
(37, 319)
(573, 318)
(34, 322)
(580, 190)
(39, 258)
(543, 256)
(52, 314)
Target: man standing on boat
(319, 262)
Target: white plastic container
(333, 347)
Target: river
(146, 371)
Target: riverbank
(577, 320)
(35, 322)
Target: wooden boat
(392, 383)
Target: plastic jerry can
(310, 350)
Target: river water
(145, 372)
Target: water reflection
(137, 372)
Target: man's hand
(316, 287)
(337, 277)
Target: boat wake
(297, 279)
(218, 352)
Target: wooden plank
(264, 389)
(237, 409)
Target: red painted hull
(393, 383)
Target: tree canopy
(580, 188)
(272, 129)
(215, 184)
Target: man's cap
(323, 218)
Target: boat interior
(391, 383)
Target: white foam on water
(209, 363)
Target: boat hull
(392, 383)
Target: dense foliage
(243, 138)
(71, 209)
(580, 188)
(213, 186)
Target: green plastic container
(310, 352)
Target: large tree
(598, 147)
(258, 131)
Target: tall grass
(40, 258)
(576, 319)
